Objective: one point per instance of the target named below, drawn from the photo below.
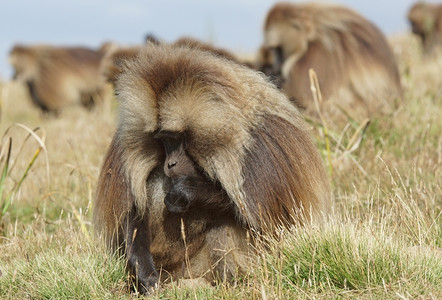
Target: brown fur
(197, 44)
(244, 136)
(426, 22)
(59, 76)
(114, 60)
(355, 66)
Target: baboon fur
(426, 22)
(194, 43)
(115, 56)
(57, 77)
(113, 60)
(241, 131)
(354, 63)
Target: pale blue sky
(232, 24)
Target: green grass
(384, 241)
(66, 275)
(343, 258)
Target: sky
(231, 24)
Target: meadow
(384, 241)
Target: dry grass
(385, 241)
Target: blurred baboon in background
(426, 22)
(57, 77)
(205, 150)
(355, 66)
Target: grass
(346, 260)
(67, 274)
(384, 242)
(5, 156)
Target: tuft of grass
(9, 164)
(56, 274)
(344, 258)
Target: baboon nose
(172, 164)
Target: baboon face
(286, 39)
(24, 63)
(421, 19)
(187, 187)
(283, 40)
(415, 28)
(269, 61)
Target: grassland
(385, 241)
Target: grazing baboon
(426, 22)
(355, 66)
(205, 151)
(57, 77)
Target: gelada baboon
(57, 77)
(426, 22)
(205, 150)
(355, 66)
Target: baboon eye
(172, 164)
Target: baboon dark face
(416, 28)
(187, 186)
(270, 62)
